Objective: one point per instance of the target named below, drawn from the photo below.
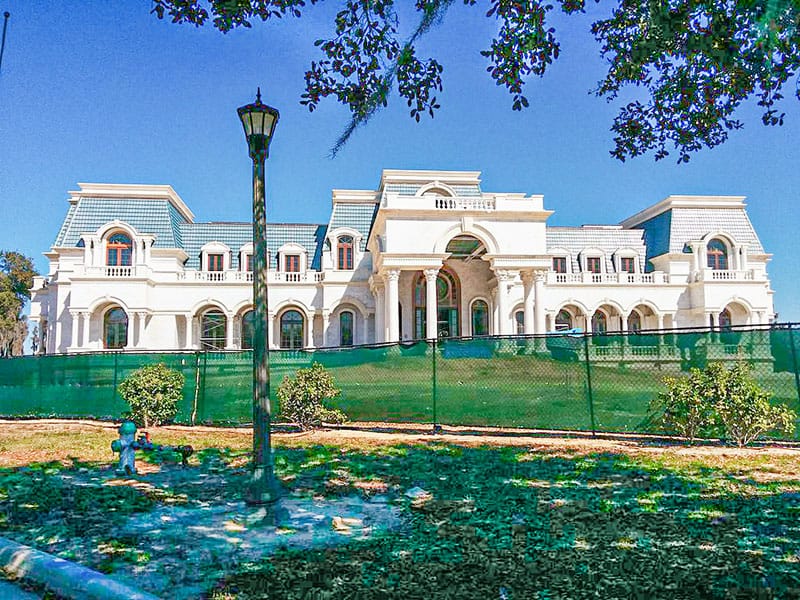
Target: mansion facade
(427, 254)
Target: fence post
(589, 381)
(196, 387)
(114, 386)
(436, 427)
(794, 361)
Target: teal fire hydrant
(127, 445)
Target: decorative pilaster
(75, 315)
(228, 332)
(326, 323)
(392, 299)
(140, 324)
(431, 307)
(86, 317)
(380, 314)
(309, 341)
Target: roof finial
(258, 95)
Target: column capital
(431, 274)
(75, 313)
(392, 274)
(540, 275)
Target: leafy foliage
(687, 408)
(16, 279)
(302, 398)
(153, 393)
(744, 407)
(697, 61)
(719, 398)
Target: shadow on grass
(496, 523)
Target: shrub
(719, 399)
(687, 406)
(301, 399)
(153, 393)
(744, 408)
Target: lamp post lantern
(259, 121)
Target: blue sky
(99, 91)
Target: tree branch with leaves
(696, 61)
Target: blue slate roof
(157, 217)
(358, 216)
(236, 235)
(671, 230)
(577, 239)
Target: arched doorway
(292, 330)
(447, 301)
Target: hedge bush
(301, 399)
(153, 393)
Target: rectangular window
(214, 262)
(560, 264)
(292, 263)
(248, 262)
(627, 264)
(593, 264)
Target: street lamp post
(259, 121)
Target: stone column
(87, 322)
(660, 317)
(529, 301)
(187, 335)
(392, 299)
(75, 323)
(228, 332)
(503, 277)
(539, 325)
(431, 304)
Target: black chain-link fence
(572, 381)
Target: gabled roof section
(607, 239)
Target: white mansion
(130, 268)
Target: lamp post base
(263, 492)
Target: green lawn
(501, 522)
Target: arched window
(446, 303)
(480, 318)
(519, 319)
(345, 253)
(717, 255)
(634, 321)
(115, 328)
(119, 250)
(599, 322)
(346, 329)
(292, 330)
(248, 329)
(212, 330)
(563, 320)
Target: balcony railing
(464, 203)
(607, 278)
(719, 275)
(247, 276)
(118, 271)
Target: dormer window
(291, 263)
(119, 250)
(560, 264)
(627, 264)
(717, 254)
(593, 264)
(345, 253)
(248, 263)
(215, 262)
